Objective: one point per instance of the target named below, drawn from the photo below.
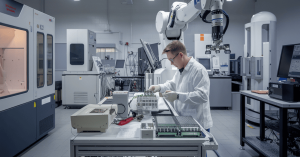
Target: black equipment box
(285, 91)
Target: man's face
(177, 61)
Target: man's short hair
(175, 47)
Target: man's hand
(154, 88)
(171, 96)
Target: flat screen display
(285, 61)
(295, 63)
(120, 63)
(205, 62)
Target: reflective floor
(225, 129)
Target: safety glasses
(172, 60)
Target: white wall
(288, 24)
(136, 21)
(92, 14)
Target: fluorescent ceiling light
(229, 0)
(76, 0)
(151, 0)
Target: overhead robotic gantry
(171, 25)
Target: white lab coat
(193, 87)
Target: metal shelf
(262, 147)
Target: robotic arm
(171, 25)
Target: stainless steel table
(259, 145)
(125, 141)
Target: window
(49, 60)
(76, 54)
(100, 50)
(13, 61)
(40, 59)
(105, 50)
(110, 49)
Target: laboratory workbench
(126, 141)
(258, 143)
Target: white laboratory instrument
(81, 46)
(82, 88)
(147, 130)
(257, 64)
(147, 102)
(94, 117)
(27, 86)
(212, 61)
(82, 82)
(171, 26)
(121, 98)
(216, 63)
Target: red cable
(125, 121)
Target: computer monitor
(120, 63)
(149, 53)
(294, 70)
(205, 62)
(285, 61)
(111, 63)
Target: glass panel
(49, 60)
(110, 49)
(76, 54)
(98, 50)
(40, 59)
(102, 50)
(13, 61)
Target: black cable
(227, 22)
(129, 86)
(130, 102)
(124, 109)
(205, 15)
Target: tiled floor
(225, 129)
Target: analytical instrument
(27, 88)
(90, 84)
(121, 98)
(257, 65)
(94, 117)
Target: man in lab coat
(189, 88)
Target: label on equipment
(275, 85)
(217, 22)
(46, 100)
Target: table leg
(72, 150)
(262, 121)
(283, 131)
(242, 119)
